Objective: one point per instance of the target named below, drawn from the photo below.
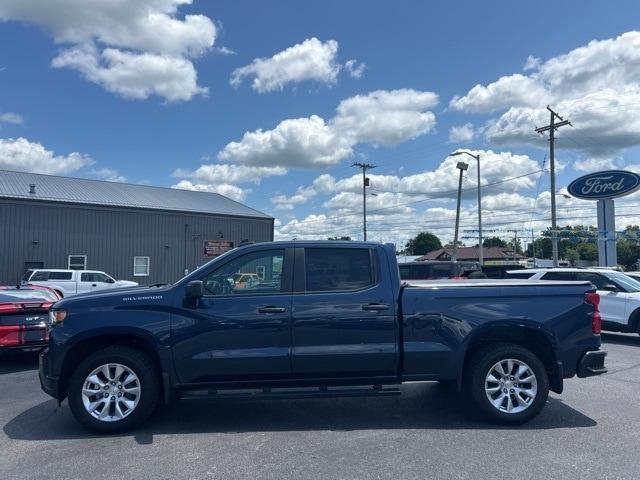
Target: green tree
(587, 251)
(494, 242)
(422, 244)
(339, 238)
(628, 253)
(572, 255)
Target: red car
(24, 315)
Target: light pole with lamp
(480, 246)
(462, 167)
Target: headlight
(57, 316)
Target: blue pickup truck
(317, 319)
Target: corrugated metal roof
(96, 192)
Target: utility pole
(551, 128)
(515, 243)
(462, 167)
(365, 184)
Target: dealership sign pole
(605, 187)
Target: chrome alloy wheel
(511, 386)
(111, 392)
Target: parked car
(619, 293)
(436, 269)
(24, 317)
(72, 282)
(634, 275)
(328, 319)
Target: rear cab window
(339, 269)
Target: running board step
(285, 393)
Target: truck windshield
(628, 283)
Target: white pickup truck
(72, 282)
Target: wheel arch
(534, 339)
(88, 345)
(634, 321)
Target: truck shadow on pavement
(14, 362)
(630, 339)
(422, 406)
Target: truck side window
(598, 280)
(250, 274)
(338, 269)
(564, 276)
(60, 275)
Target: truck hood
(115, 296)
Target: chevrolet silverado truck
(323, 319)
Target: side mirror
(110, 280)
(195, 289)
(609, 288)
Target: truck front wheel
(114, 390)
(507, 383)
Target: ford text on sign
(602, 185)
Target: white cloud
(298, 142)
(225, 51)
(386, 117)
(381, 117)
(396, 194)
(132, 75)
(354, 68)
(311, 60)
(221, 178)
(461, 133)
(532, 63)
(232, 191)
(135, 49)
(596, 86)
(25, 156)
(108, 174)
(594, 164)
(10, 117)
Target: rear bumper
(48, 382)
(592, 363)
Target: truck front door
(238, 330)
(343, 315)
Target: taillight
(596, 320)
(10, 308)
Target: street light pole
(365, 184)
(462, 167)
(480, 240)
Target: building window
(140, 266)
(77, 262)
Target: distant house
(494, 255)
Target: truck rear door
(343, 314)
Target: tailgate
(25, 327)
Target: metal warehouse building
(132, 232)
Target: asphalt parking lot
(590, 431)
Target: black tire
(479, 366)
(143, 368)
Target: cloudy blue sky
(271, 102)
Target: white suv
(72, 282)
(619, 293)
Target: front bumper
(48, 382)
(592, 363)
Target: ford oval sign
(602, 185)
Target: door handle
(94, 285)
(375, 307)
(272, 309)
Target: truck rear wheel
(114, 390)
(507, 383)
